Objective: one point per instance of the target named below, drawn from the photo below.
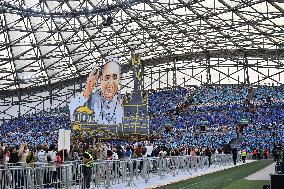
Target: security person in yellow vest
(88, 161)
(244, 155)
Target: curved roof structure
(43, 42)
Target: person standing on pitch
(244, 155)
(88, 161)
(235, 155)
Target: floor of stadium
(230, 177)
(171, 179)
(263, 174)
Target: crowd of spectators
(221, 107)
(226, 106)
(165, 100)
(220, 94)
(44, 153)
(35, 129)
(268, 92)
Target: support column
(50, 98)
(167, 70)
(20, 101)
(151, 77)
(247, 81)
(43, 103)
(174, 74)
(208, 68)
(159, 79)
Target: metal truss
(48, 45)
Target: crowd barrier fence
(105, 173)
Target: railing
(104, 173)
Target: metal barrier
(15, 177)
(221, 159)
(104, 173)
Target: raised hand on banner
(91, 82)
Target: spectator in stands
(23, 153)
(138, 151)
(2, 152)
(41, 154)
(14, 155)
(163, 152)
(6, 157)
(120, 152)
(109, 155)
(128, 152)
(114, 153)
(51, 154)
(51, 159)
(192, 152)
(31, 158)
(97, 151)
(75, 153)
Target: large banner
(101, 108)
(64, 139)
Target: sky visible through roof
(43, 42)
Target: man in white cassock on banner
(105, 100)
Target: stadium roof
(45, 42)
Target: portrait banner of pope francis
(100, 102)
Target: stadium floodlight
(108, 21)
